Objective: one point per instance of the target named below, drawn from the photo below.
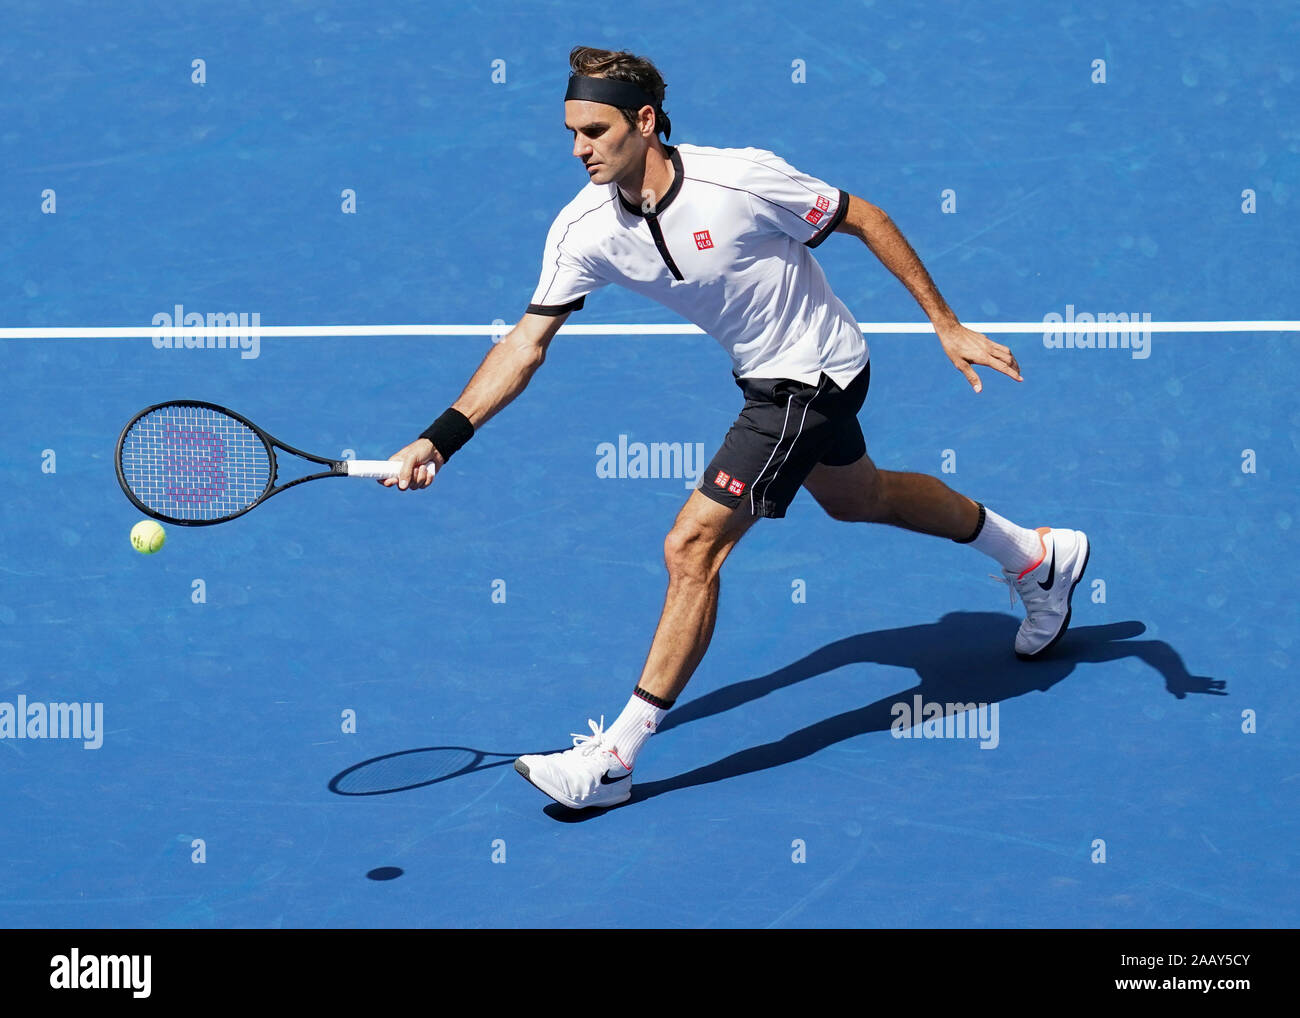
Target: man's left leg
(1043, 565)
(858, 492)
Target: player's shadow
(964, 657)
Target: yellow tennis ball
(147, 537)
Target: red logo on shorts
(722, 479)
(703, 241)
(736, 486)
(814, 216)
(823, 203)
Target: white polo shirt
(727, 248)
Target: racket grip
(375, 468)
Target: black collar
(676, 159)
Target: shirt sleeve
(795, 203)
(567, 277)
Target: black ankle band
(978, 527)
(653, 700)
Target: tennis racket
(197, 463)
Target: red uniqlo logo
(722, 479)
(823, 203)
(703, 241)
(736, 486)
(814, 216)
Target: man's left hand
(965, 347)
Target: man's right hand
(419, 461)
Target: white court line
(885, 328)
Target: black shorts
(785, 429)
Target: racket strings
(194, 463)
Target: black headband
(611, 92)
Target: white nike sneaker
(1046, 589)
(590, 774)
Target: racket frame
(337, 468)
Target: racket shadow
(409, 769)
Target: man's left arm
(964, 346)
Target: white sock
(1014, 547)
(634, 726)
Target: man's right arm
(503, 375)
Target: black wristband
(449, 432)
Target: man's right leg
(776, 439)
(702, 537)
(597, 771)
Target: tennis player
(724, 237)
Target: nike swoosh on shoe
(1051, 571)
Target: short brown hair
(624, 66)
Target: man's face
(609, 148)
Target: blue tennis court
(262, 704)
